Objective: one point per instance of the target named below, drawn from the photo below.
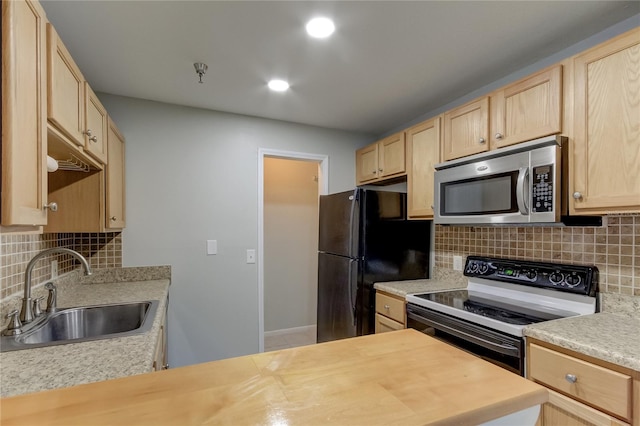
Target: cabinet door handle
(571, 378)
(88, 132)
(387, 307)
(482, 140)
(577, 195)
(93, 139)
(498, 135)
(375, 171)
(52, 207)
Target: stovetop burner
(500, 311)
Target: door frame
(323, 188)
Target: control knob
(573, 280)
(473, 267)
(483, 268)
(556, 278)
(531, 274)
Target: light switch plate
(212, 247)
(251, 256)
(457, 263)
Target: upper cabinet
(49, 109)
(24, 132)
(466, 130)
(605, 154)
(95, 134)
(385, 159)
(115, 194)
(423, 153)
(65, 104)
(74, 111)
(527, 109)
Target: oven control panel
(578, 279)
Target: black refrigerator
(365, 237)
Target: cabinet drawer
(597, 386)
(384, 324)
(390, 307)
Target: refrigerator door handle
(354, 199)
(351, 284)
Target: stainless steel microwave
(521, 184)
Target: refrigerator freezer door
(339, 223)
(337, 286)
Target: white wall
(192, 176)
(290, 243)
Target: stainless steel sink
(86, 323)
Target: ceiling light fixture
(278, 85)
(201, 69)
(320, 27)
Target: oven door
(495, 347)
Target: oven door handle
(521, 190)
(497, 347)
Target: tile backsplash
(614, 248)
(102, 250)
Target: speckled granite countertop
(59, 366)
(442, 280)
(609, 336)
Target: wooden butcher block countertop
(401, 377)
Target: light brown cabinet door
(95, 134)
(528, 109)
(561, 410)
(423, 153)
(367, 164)
(65, 89)
(466, 130)
(24, 172)
(606, 149)
(392, 156)
(115, 176)
(384, 324)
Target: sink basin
(86, 323)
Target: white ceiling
(387, 63)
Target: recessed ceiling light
(320, 27)
(278, 85)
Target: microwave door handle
(522, 193)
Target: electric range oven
(502, 297)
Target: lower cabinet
(390, 312)
(562, 410)
(583, 391)
(160, 360)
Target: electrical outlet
(251, 256)
(457, 263)
(54, 268)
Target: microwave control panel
(542, 194)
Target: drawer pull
(571, 378)
(387, 307)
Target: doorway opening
(288, 190)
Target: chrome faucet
(26, 314)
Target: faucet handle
(15, 326)
(37, 311)
(52, 300)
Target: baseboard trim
(305, 328)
